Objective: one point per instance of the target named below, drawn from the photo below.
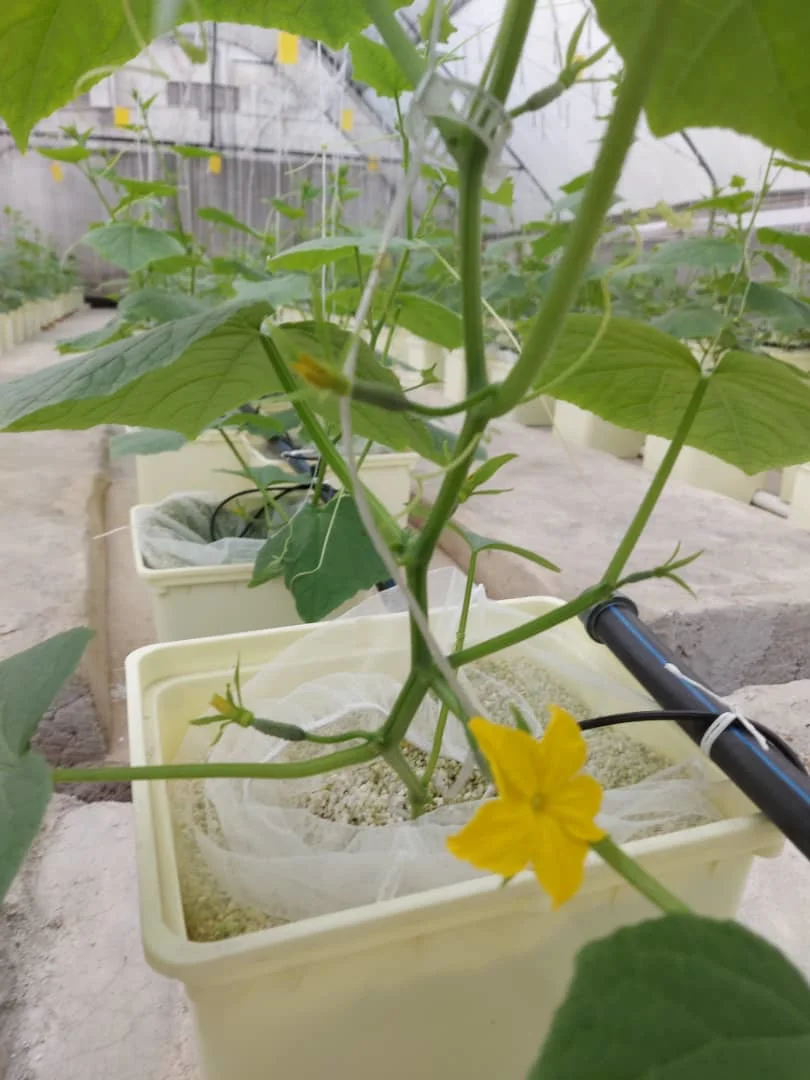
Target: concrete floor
(77, 1001)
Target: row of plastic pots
(24, 323)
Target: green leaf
(374, 65)
(176, 264)
(698, 253)
(755, 413)
(579, 183)
(325, 556)
(739, 64)
(482, 474)
(796, 166)
(397, 430)
(691, 323)
(46, 46)
(425, 318)
(479, 543)
(228, 221)
(159, 306)
(70, 154)
(145, 441)
(131, 246)
(281, 291)
(680, 998)
(551, 240)
(144, 188)
(266, 425)
(182, 376)
(313, 254)
(265, 475)
(426, 19)
(114, 330)
(194, 151)
(786, 313)
(226, 267)
(292, 213)
(797, 244)
(735, 203)
(29, 682)
(503, 195)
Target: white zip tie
(723, 721)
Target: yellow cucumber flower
(320, 375)
(545, 810)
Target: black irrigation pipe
(769, 775)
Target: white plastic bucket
(203, 601)
(460, 981)
(578, 427)
(703, 470)
(388, 476)
(197, 466)
(539, 412)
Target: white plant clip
(440, 97)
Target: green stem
(596, 202)
(341, 759)
(533, 627)
(400, 45)
(648, 503)
(638, 877)
(417, 793)
(471, 175)
(97, 188)
(386, 524)
(406, 165)
(410, 697)
(508, 46)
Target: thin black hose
(688, 714)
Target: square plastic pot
(800, 505)
(388, 476)
(197, 466)
(203, 601)
(703, 470)
(455, 982)
(578, 427)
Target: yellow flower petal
(575, 806)
(499, 838)
(558, 860)
(561, 753)
(511, 755)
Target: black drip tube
(767, 777)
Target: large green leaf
(313, 254)
(739, 64)
(46, 46)
(633, 375)
(797, 244)
(397, 430)
(228, 221)
(784, 312)
(159, 306)
(423, 317)
(698, 253)
(374, 65)
(286, 289)
(132, 246)
(29, 682)
(181, 376)
(325, 556)
(145, 441)
(755, 415)
(691, 323)
(680, 998)
(71, 154)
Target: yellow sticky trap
(287, 48)
(373, 164)
(120, 116)
(215, 164)
(57, 172)
(346, 120)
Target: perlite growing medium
(372, 795)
